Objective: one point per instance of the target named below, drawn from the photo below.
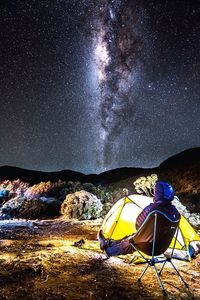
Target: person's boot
(104, 243)
(197, 250)
(195, 246)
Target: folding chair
(153, 238)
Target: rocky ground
(48, 260)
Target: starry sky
(92, 85)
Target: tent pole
(134, 202)
(177, 230)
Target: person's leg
(114, 248)
(104, 243)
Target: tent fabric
(120, 223)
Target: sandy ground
(39, 260)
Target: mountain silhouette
(177, 163)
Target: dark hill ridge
(184, 160)
(12, 173)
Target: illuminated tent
(120, 222)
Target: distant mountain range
(186, 162)
(181, 170)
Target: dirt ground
(41, 260)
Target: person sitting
(162, 201)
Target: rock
(82, 206)
(80, 243)
(33, 209)
(19, 207)
(12, 207)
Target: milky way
(118, 49)
(92, 85)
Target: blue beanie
(163, 192)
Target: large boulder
(31, 209)
(81, 205)
(12, 207)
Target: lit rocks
(82, 206)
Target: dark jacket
(166, 207)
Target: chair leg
(162, 268)
(159, 280)
(143, 272)
(177, 272)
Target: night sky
(92, 85)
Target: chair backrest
(155, 234)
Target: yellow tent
(120, 222)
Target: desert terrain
(59, 259)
